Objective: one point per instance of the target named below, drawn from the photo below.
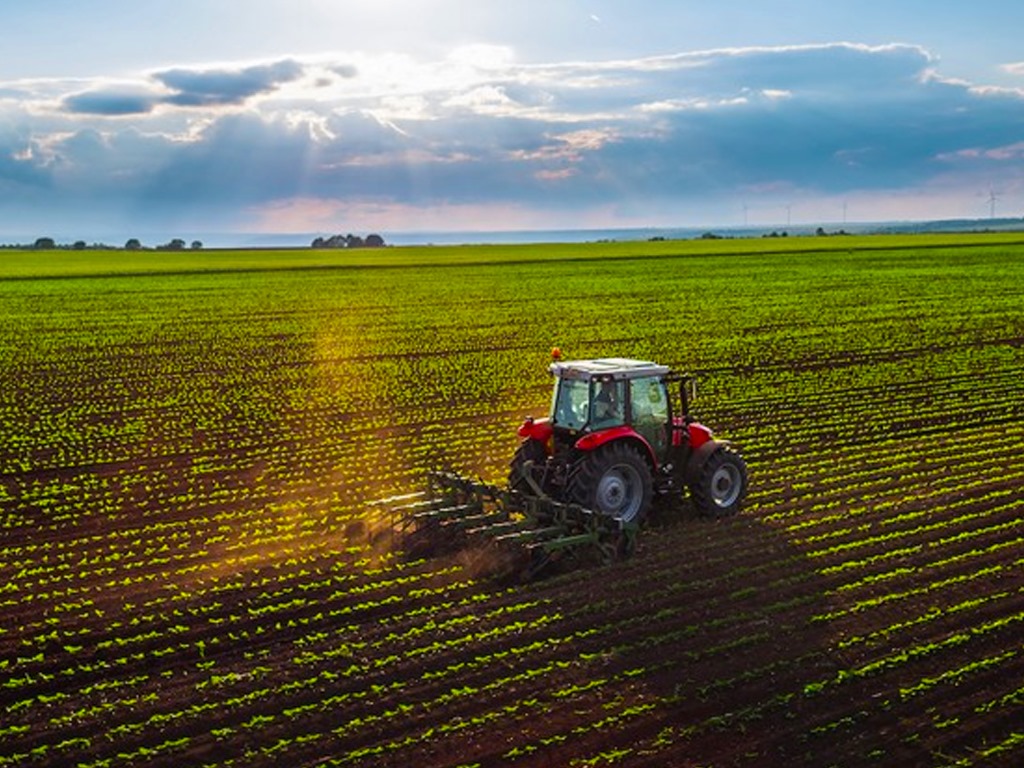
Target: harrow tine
(458, 512)
(483, 522)
(412, 507)
(446, 513)
(501, 527)
(531, 534)
(402, 497)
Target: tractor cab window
(649, 408)
(609, 403)
(570, 408)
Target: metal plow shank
(531, 533)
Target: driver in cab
(608, 410)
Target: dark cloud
(114, 162)
(23, 167)
(239, 159)
(190, 88)
(18, 174)
(822, 118)
(347, 71)
(109, 102)
(195, 88)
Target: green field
(65, 263)
(191, 574)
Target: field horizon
(439, 237)
(31, 263)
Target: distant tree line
(348, 241)
(133, 244)
(177, 244)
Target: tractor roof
(607, 368)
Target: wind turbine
(992, 197)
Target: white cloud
(484, 100)
(479, 132)
(482, 57)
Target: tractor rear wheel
(614, 480)
(720, 484)
(528, 450)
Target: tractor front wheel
(720, 483)
(614, 480)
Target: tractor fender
(595, 440)
(698, 434)
(701, 455)
(536, 429)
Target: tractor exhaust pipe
(687, 393)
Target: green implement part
(459, 512)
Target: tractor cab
(592, 396)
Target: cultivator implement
(531, 533)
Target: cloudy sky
(123, 117)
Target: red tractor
(620, 432)
(583, 478)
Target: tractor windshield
(571, 404)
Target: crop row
(190, 571)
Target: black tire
(721, 484)
(614, 480)
(528, 450)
